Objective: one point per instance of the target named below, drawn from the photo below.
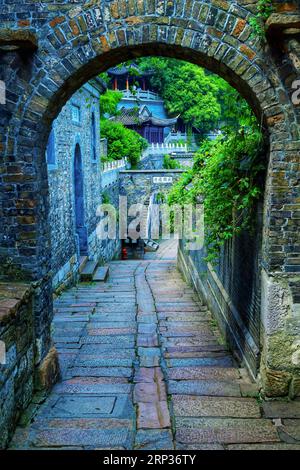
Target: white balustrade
(114, 165)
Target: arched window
(94, 138)
(50, 151)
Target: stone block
(226, 431)
(150, 392)
(277, 409)
(206, 373)
(275, 383)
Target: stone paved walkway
(144, 368)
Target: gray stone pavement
(143, 367)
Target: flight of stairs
(90, 271)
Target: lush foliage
(122, 142)
(226, 176)
(264, 8)
(170, 163)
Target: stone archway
(67, 47)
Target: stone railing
(114, 165)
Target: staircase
(90, 271)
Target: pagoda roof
(139, 116)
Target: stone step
(101, 274)
(88, 271)
(82, 262)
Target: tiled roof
(124, 70)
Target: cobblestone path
(143, 367)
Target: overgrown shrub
(122, 142)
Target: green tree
(227, 175)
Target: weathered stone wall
(183, 161)
(236, 290)
(21, 372)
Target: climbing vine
(264, 8)
(227, 176)
(105, 198)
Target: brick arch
(81, 40)
(238, 62)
